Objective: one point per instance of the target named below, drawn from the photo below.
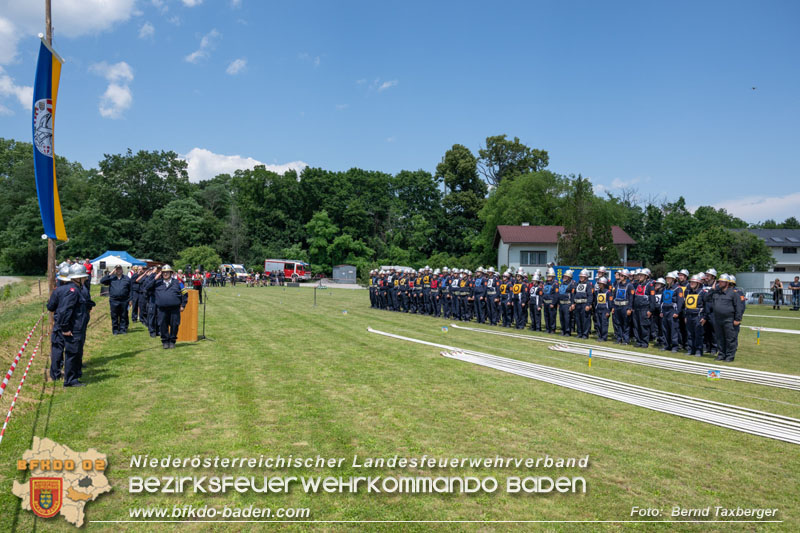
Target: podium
(187, 331)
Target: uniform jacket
(725, 303)
(172, 295)
(119, 289)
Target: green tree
(465, 199)
(180, 224)
(321, 232)
(586, 239)
(199, 257)
(504, 159)
(346, 250)
(726, 250)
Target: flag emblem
(46, 495)
(43, 127)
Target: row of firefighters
(696, 314)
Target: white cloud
(387, 85)
(147, 31)
(207, 43)
(9, 37)
(118, 96)
(5, 111)
(755, 208)
(236, 66)
(305, 56)
(192, 3)
(236, 3)
(204, 164)
(23, 93)
(73, 18)
(378, 85)
(623, 184)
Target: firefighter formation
(698, 314)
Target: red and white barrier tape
(21, 383)
(4, 384)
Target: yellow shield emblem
(46, 495)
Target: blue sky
(655, 96)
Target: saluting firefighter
(132, 274)
(565, 290)
(693, 311)
(119, 292)
(602, 310)
(171, 300)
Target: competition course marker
(14, 364)
(19, 388)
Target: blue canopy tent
(122, 255)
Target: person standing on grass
(119, 293)
(171, 300)
(72, 311)
(54, 306)
(132, 275)
(197, 283)
(727, 307)
(777, 294)
(795, 286)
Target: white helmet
(437, 272)
(673, 275)
(568, 273)
(696, 278)
(491, 269)
(636, 272)
(520, 271)
(725, 277)
(506, 274)
(601, 270)
(602, 281)
(732, 279)
(584, 273)
(480, 269)
(77, 271)
(661, 281)
(445, 269)
(625, 272)
(551, 272)
(646, 271)
(63, 272)
(684, 271)
(537, 276)
(712, 272)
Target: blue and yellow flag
(45, 91)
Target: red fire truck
(292, 269)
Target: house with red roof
(535, 246)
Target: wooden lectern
(187, 332)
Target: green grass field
(284, 377)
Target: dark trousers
(142, 303)
(694, 333)
(621, 320)
(119, 315)
(152, 318)
(641, 325)
(465, 307)
(169, 318)
(536, 317)
(56, 354)
(508, 312)
(727, 338)
(583, 320)
(491, 308)
(371, 297)
(134, 306)
(565, 317)
(683, 334)
(199, 289)
(73, 357)
(550, 312)
(520, 314)
(601, 323)
(670, 328)
(480, 308)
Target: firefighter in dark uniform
(535, 301)
(519, 299)
(622, 310)
(134, 294)
(491, 296)
(427, 300)
(602, 310)
(683, 335)
(693, 311)
(582, 299)
(447, 301)
(550, 300)
(643, 296)
(147, 288)
(742, 298)
(71, 311)
(171, 299)
(709, 333)
(383, 290)
(565, 290)
(372, 279)
(727, 307)
(119, 293)
(436, 292)
(656, 324)
(479, 296)
(56, 339)
(602, 272)
(671, 307)
(505, 299)
(463, 296)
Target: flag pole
(51, 243)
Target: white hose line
(738, 418)
(759, 377)
(774, 330)
(770, 316)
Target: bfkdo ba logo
(46, 496)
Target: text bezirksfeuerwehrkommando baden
(416, 482)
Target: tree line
(144, 203)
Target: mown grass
(283, 377)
